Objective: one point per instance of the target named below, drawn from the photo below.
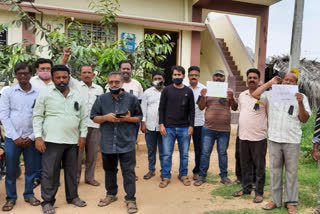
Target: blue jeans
(153, 138)
(38, 165)
(207, 142)
(168, 141)
(13, 153)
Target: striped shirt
(316, 134)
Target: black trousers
(51, 166)
(253, 154)
(127, 165)
(196, 138)
(238, 164)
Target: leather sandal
(164, 183)
(131, 207)
(185, 180)
(78, 202)
(198, 183)
(8, 206)
(48, 209)
(149, 175)
(107, 200)
(93, 183)
(33, 201)
(292, 209)
(258, 199)
(269, 206)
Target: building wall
(14, 33)
(210, 59)
(164, 9)
(224, 29)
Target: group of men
(52, 118)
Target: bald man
(284, 134)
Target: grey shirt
(117, 137)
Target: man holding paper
(216, 126)
(284, 133)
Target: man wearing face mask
(284, 135)
(176, 119)
(196, 87)
(41, 81)
(216, 128)
(43, 78)
(118, 112)
(60, 127)
(150, 122)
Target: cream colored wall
(210, 59)
(138, 30)
(185, 50)
(75, 4)
(164, 9)
(14, 33)
(223, 29)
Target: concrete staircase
(240, 84)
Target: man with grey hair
(216, 128)
(284, 134)
(118, 112)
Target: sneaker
(226, 181)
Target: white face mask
(157, 83)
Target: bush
(306, 140)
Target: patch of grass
(212, 179)
(226, 191)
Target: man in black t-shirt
(176, 119)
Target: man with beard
(150, 121)
(196, 87)
(16, 105)
(253, 138)
(89, 91)
(176, 119)
(60, 127)
(216, 128)
(118, 112)
(284, 135)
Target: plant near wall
(103, 55)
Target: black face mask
(115, 91)
(62, 88)
(177, 81)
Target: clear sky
(280, 29)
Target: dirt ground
(151, 199)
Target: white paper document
(217, 89)
(284, 93)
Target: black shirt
(176, 108)
(117, 137)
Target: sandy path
(151, 199)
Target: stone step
(240, 83)
(238, 77)
(241, 88)
(235, 72)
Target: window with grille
(95, 32)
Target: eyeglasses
(23, 74)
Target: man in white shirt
(89, 92)
(43, 78)
(196, 87)
(150, 121)
(130, 85)
(284, 134)
(41, 81)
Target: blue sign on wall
(130, 39)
